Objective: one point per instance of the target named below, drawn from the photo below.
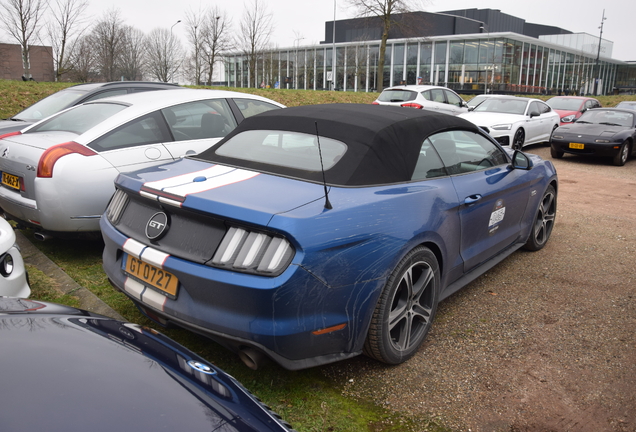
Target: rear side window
(437, 95)
(397, 96)
(283, 148)
(250, 107)
(150, 129)
(80, 119)
(200, 119)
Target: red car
(570, 108)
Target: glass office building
(498, 62)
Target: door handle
(472, 199)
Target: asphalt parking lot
(545, 341)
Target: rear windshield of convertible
(284, 148)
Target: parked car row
(516, 121)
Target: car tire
(543, 221)
(405, 311)
(552, 133)
(555, 153)
(623, 153)
(518, 139)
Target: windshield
(565, 104)
(476, 100)
(611, 118)
(50, 105)
(284, 149)
(506, 106)
(79, 119)
(628, 105)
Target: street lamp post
(166, 53)
(481, 28)
(598, 55)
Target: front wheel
(543, 221)
(623, 153)
(406, 308)
(519, 139)
(555, 153)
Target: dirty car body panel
(308, 295)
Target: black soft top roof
(383, 142)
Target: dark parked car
(71, 370)
(243, 244)
(627, 105)
(605, 132)
(76, 95)
(570, 108)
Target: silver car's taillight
(253, 252)
(116, 207)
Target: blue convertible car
(317, 233)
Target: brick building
(41, 62)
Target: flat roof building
(470, 51)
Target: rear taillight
(375, 103)
(7, 135)
(53, 154)
(412, 105)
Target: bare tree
(21, 19)
(133, 54)
(216, 39)
(108, 40)
(195, 28)
(164, 54)
(385, 10)
(255, 30)
(66, 22)
(83, 63)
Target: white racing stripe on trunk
(235, 176)
(213, 171)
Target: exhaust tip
(252, 358)
(41, 236)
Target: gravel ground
(545, 341)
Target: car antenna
(322, 168)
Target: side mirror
(521, 161)
(583, 110)
(471, 108)
(534, 114)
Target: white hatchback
(434, 98)
(58, 174)
(515, 121)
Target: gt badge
(157, 226)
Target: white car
(13, 276)
(428, 97)
(58, 174)
(515, 121)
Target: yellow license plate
(578, 146)
(157, 278)
(11, 180)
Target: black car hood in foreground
(64, 369)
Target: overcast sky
(293, 18)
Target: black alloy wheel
(519, 139)
(406, 308)
(555, 153)
(543, 221)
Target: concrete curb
(88, 301)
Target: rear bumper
(278, 316)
